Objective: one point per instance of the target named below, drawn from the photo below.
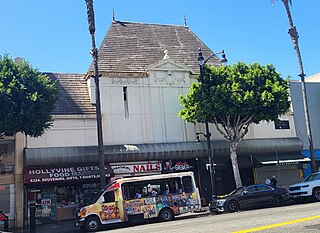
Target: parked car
(310, 187)
(4, 221)
(257, 195)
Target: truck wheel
(316, 194)
(166, 214)
(92, 224)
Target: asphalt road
(295, 218)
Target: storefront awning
(282, 159)
(243, 161)
(157, 151)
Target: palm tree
(294, 37)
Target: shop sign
(136, 168)
(46, 202)
(63, 174)
(180, 166)
(288, 163)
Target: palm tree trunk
(294, 37)
(234, 163)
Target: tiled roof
(73, 95)
(131, 47)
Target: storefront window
(56, 203)
(6, 158)
(5, 198)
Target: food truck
(140, 198)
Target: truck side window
(187, 184)
(109, 197)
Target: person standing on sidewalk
(274, 181)
(268, 181)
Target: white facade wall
(152, 113)
(67, 131)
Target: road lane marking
(278, 224)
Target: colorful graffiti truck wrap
(140, 198)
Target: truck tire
(166, 214)
(92, 224)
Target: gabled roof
(73, 95)
(130, 47)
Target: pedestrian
(268, 181)
(274, 181)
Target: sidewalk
(68, 226)
(57, 227)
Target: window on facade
(281, 124)
(6, 157)
(125, 101)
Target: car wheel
(316, 194)
(233, 206)
(92, 224)
(166, 214)
(277, 200)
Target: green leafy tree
(27, 98)
(234, 97)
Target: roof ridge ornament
(185, 21)
(166, 56)
(113, 15)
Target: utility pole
(94, 53)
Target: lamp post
(207, 135)
(94, 53)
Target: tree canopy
(233, 97)
(253, 91)
(27, 98)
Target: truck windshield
(315, 176)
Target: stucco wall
(152, 115)
(313, 95)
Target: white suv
(310, 187)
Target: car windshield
(315, 176)
(237, 191)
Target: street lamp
(207, 135)
(94, 53)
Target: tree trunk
(294, 37)
(234, 163)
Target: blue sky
(53, 34)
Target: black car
(257, 195)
